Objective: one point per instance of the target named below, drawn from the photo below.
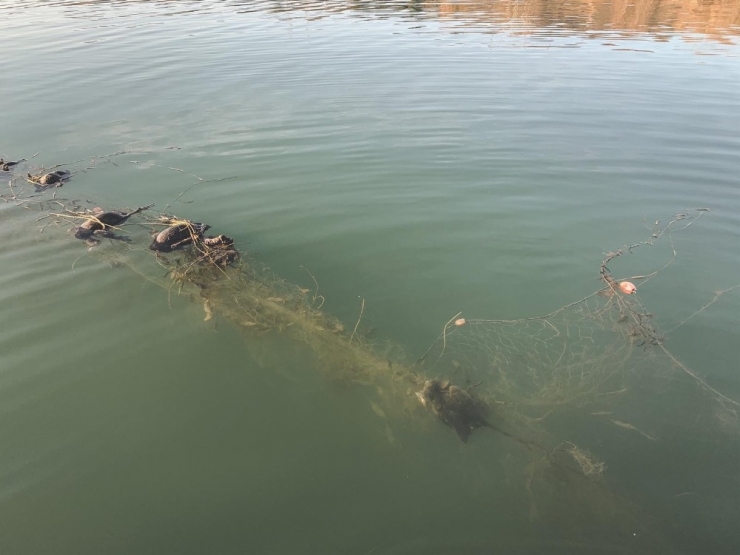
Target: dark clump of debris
(178, 236)
(456, 407)
(44, 181)
(462, 410)
(102, 221)
(7, 165)
(220, 250)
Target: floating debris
(7, 165)
(101, 221)
(178, 236)
(219, 250)
(219, 241)
(456, 407)
(208, 310)
(49, 180)
(627, 287)
(590, 466)
(377, 410)
(628, 426)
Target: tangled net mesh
(560, 359)
(579, 353)
(582, 355)
(583, 352)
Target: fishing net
(581, 352)
(582, 356)
(250, 297)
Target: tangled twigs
(14, 195)
(606, 274)
(76, 216)
(640, 326)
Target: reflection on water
(718, 19)
(715, 19)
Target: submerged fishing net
(576, 354)
(581, 356)
(599, 361)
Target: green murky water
(428, 157)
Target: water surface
(428, 157)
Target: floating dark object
(461, 410)
(456, 407)
(46, 180)
(178, 236)
(7, 165)
(102, 221)
(219, 250)
(219, 241)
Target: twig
(75, 261)
(354, 331)
(316, 291)
(12, 192)
(443, 337)
(606, 274)
(200, 181)
(648, 277)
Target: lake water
(421, 160)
